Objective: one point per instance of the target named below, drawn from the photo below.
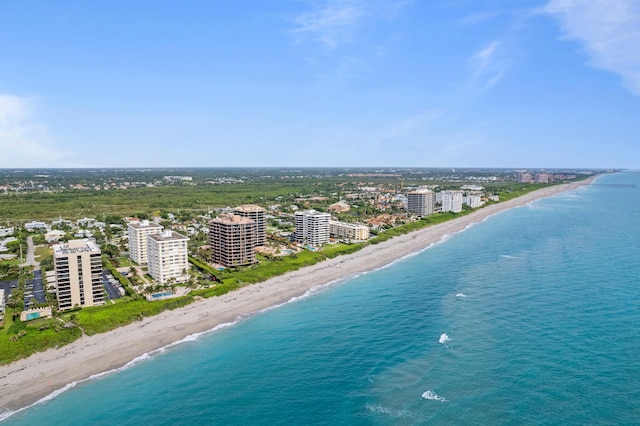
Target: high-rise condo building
(451, 201)
(168, 257)
(472, 200)
(541, 178)
(232, 240)
(138, 233)
(78, 267)
(421, 203)
(312, 227)
(256, 213)
(524, 178)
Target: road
(31, 257)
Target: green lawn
(42, 251)
(40, 335)
(104, 318)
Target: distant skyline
(321, 83)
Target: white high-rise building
(421, 203)
(168, 257)
(312, 227)
(138, 233)
(472, 200)
(451, 201)
(78, 266)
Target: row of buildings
(233, 238)
(165, 252)
(424, 202)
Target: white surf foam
(461, 295)
(431, 395)
(443, 338)
(388, 411)
(506, 256)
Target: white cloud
(23, 141)
(609, 30)
(488, 66)
(334, 22)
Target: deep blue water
(540, 304)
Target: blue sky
(439, 83)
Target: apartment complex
(451, 201)
(312, 227)
(167, 257)
(349, 231)
(421, 203)
(232, 239)
(138, 233)
(472, 200)
(524, 177)
(256, 213)
(541, 178)
(78, 266)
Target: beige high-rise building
(168, 257)
(78, 266)
(541, 178)
(256, 213)
(138, 233)
(232, 240)
(421, 203)
(524, 178)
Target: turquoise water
(530, 317)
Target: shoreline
(44, 375)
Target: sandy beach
(27, 381)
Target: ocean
(529, 317)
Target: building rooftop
(168, 235)
(144, 224)
(75, 246)
(312, 213)
(233, 219)
(247, 208)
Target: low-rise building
(35, 226)
(339, 207)
(4, 232)
(349, 231)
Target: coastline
(29, 380)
